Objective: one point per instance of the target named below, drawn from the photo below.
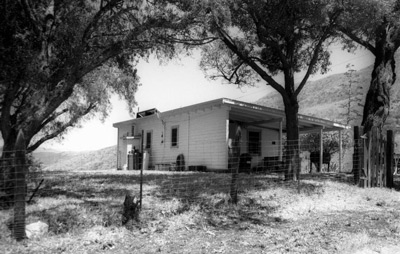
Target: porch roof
(270, 118)
(253, 115)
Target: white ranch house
(203, 134)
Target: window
(148, 139)
(174, 136)
(255, 142)
(133, 130)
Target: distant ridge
(323, 98)
(102, 159)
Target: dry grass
(191, 213)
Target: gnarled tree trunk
(377, 103)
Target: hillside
(325, 98)
(92, 160)
(50, 157)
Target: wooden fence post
(374, 158)
(235, 168)
(356, 155)
(389, 158)
(20, 188)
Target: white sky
(177, 84)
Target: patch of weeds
(310, 189)
(173, 207)
(69, 218)
(110, 217)
(381, 203)
(62, 222)
(354, 242)
(394, 227)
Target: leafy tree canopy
(260, 39)
(61, 60)
(330, 141)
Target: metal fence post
(20, 188)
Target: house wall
(269, 144)
(208, 138)
(201, 138)
(150, 123)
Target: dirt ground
(83, 211)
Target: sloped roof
(253, 114)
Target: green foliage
(362, 18)
(277, 36)
(35, 172)
(330, 141)
(60, 61)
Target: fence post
(20, 188)
(356, 155)
(144, 166)
(235, 168)
(374, 167)
(389, 158)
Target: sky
(176, 84)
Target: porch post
(340, 150)
(320, 150)
(280, 141)
(118, 159)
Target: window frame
(149, 145)
(253, 148)
(133, 127)
(175, 144)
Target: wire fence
(229, 174)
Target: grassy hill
(325, 98)
(92, 160)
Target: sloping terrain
(92, 160)
(326, 98)
(50, 157)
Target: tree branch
(99, 15)
(32, 17)
(317, 48)
(53, 117)
(270, 42)
(60, 130)
(231, 45)
(357, 39)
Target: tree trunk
(9, 141)
(7, 170)
(20, 187)
(377, 103)
(292, 151)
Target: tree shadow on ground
(190, 186)
(196, 187)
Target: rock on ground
(36, 229)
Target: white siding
(201, 138)
(208, 140)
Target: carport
(274, 119)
